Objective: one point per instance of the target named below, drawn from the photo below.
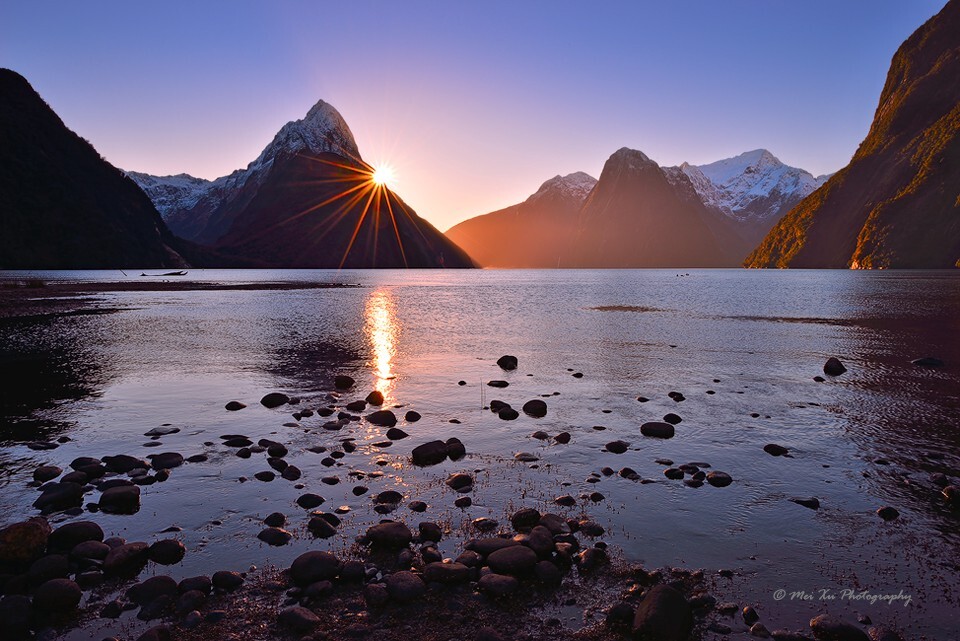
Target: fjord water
(756, 339)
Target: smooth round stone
(498, 584)
(535, 408)
(405, 587)
(234, 406)
(617, 447)
(167, 552)
(274, 536)
(226, 580)
(392, 534)
(775, 450)
(57, 595)
(656, 429)
(719, 479)
(274, 399)
(513, 560)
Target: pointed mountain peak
(575, 186)
(322, 130)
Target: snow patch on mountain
(575, 187)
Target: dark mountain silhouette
(539, 232)
(897, 204)
(62, 206)
(307, 201)
(637, 217)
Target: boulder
(535, 408)
(314, 566)
(382, 418)
(57, 595)
(429, 453)
(23, 542)
(514, 560)
(124, 499)
(298, 618)
(405, 587)
(663, 614)
(59, 496)
(446, 573)
(827, 627)
(656, 429)
(833, 367)
(390, 535)
(126, 559)
(167, 552)
(507, 362)
(274, 399)
(498, 584)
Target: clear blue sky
(474, 104)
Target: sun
(383, 176)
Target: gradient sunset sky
(473, 104)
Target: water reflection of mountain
(46, 361)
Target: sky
(474, 105)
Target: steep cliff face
(897, 204)
(636, 217)
(307, 201)
(61, 205)
(539, 232)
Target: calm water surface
(756, 339)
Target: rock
(813, 503)
(887, 513)
(455, 449)
(396, 434)
(157, 633)
(540, 540)
(298, 618)
(321, 528)
(429, 453)
(719, 479)
(928, 361)
(617, 447)
(827, 627)
(498, 584)
(591, 528)
(562, 438)
(507, 362)
(663, 614)
(234, 406)
(459, 481)
(375, 595)
(417, 506)
(463, 502)
(226, 580)
(775, 450)
(190, 601)
(195, 584)
(526, 457)
(389, 497)
(52, 566)
(382, 418)
(266, 476)
(548, 573)
(126, 559)
(656, 429)
(750, 615)
(356, 406)
(277, 519)
(90, 550)
(951, 494)
(673, 473)
(759, 630)
(535, 408)
(167, 552)
(566, 500)
(46, 473)
(166, 460)
(124, 499)
(15, 614)
(514, 560)
(446, 573)
(405, 587)
(291, 473)
(343, 382)
(123, 463)
(786, 635)
(314, 566)
(23, 542)
(882, 633)
(57, 595)
(430, 532)
(508, 414)
(309, 501)
(499, 384)
(391, 535)
(833, 367)
(672, 418)
(151, 589)
(487, 546)
(163, 430)
(59, 496)
(555, 523)
(274, 399)
(274, 536)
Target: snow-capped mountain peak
(573, 186)
(322, 130)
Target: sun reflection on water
(382, 331)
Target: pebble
(656, 429)
(617, 447)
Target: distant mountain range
(307, 201)
(688, 216)
(897, 204)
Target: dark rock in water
(430, 453)
(405, 587)
(591, 528)
(151, 589)
(672, 418)
(951, 494)
(507, 362)
(663, 615)
(314, 566)
(819, 379)
(69, 535)
(375, 398)
(430, 531)
(417, 506)
(813, 503)
(591, 559)
(455, 449)
(750, 615)
(500, 384)
(321, 528)
(356, 406)
(265, 476)
(887, 513)
(620, 614)
(52, 566)
(166, 460)
(411, 416)
(197, 458)
(656, 429)
(719, 479)
(23, 542)
(833, 367)
(577, 375)
(540, 540)
(79, 478)
(535, 408)
(382, 418)
(630, 474)
(121, 500)
(343, 382)
(496, 406)
(514, 560)
(677, 396)
(446, 573)
(488, 546)
(298, 618)
(59, 496)
(126, 560)
(463, 502)
(195, 584)
(57, 595)
(157, 633)
(459, 480)
(309, 501)
(391, 497)
(390, 535)
(882, 633)
(226, 580)
(274, 399)
(498, 584)
(234, 406)
(562, 438)
(396, 434)
(673, 473)
(525, 519)
(566, 500)
(508, 414)
(167, 552)
(291, 473)
(163, 430)
(190, 601)
(375, 595)
(775, 450)
(46, 473)
(90, 550)
(827, 627)
(274, 536)
(526, 457)
(617, 447)
(928, 361)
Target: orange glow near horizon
(382, 331)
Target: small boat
(179, 273)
